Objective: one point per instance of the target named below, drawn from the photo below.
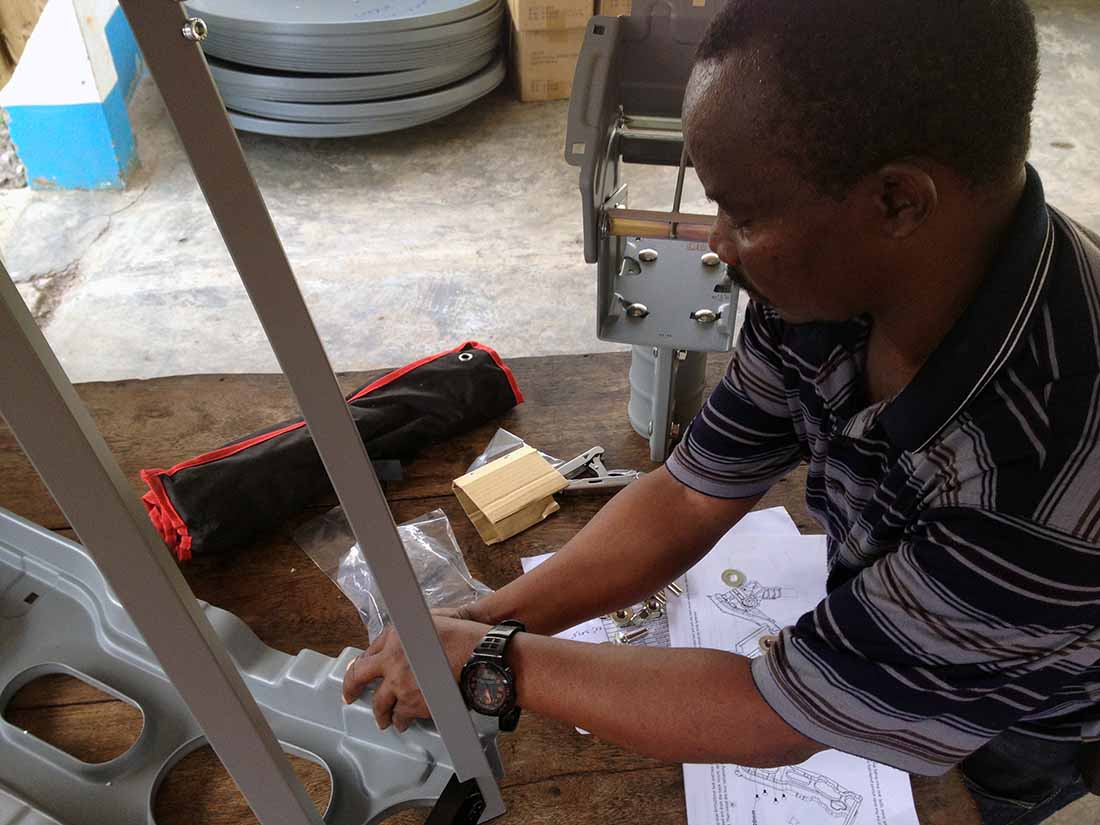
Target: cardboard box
(510, 494)
(543, 62)
(549, 15)
(613, 8)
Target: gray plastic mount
(75, 625)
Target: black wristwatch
(488, 684)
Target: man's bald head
(844, 87)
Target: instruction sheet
(738, 598)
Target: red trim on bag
(163, 514)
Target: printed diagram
(743, 603)
(813, 789)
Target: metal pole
(192, 100)
(59, 437)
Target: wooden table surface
(553, 775)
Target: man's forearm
(646, 536)
(678, 705)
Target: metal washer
(733, 578)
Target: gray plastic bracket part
(75, 625)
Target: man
(925, 334)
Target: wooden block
(510, 494)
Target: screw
(710, 259)
(768, 642)
(195, 29)
(630, 636)
(637, 310)
(705, 316)
(648, 255)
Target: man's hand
(397, 699)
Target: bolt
(705, 316)
(710, 259)
(648, 255)
(195, 29)
(637, 310)
(768, 642)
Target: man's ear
(905, 197)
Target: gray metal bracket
(657, 286)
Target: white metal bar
(58, 435)
(215, 153)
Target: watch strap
(496, 640)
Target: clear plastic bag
(502, 443)
(430, 546)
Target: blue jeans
(1021, 780)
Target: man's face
(811, 257)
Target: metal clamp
(587, 473)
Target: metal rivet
(768, 642)
(465, 356)
(710, 259)
(704, 316)
(636, 310)
(195, 29)
(648, 255)
(733, 578)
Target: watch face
(486, 687)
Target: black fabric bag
(232, 495)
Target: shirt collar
(987, 333)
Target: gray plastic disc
(337, 61)
(363, 41)
(331, 16)
(243, 81)
(458, 94)
(449, 101)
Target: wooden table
(553, 774)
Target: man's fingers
(384, 701)
(363, 669)
(379, 642)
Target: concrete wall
(66, 101)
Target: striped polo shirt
(963, 514)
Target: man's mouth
(738, 276)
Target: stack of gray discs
(336, 68)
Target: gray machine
(118, 613)
(660, 289)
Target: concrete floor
(404, 244)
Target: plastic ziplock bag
(502, 443)
(430, 546)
